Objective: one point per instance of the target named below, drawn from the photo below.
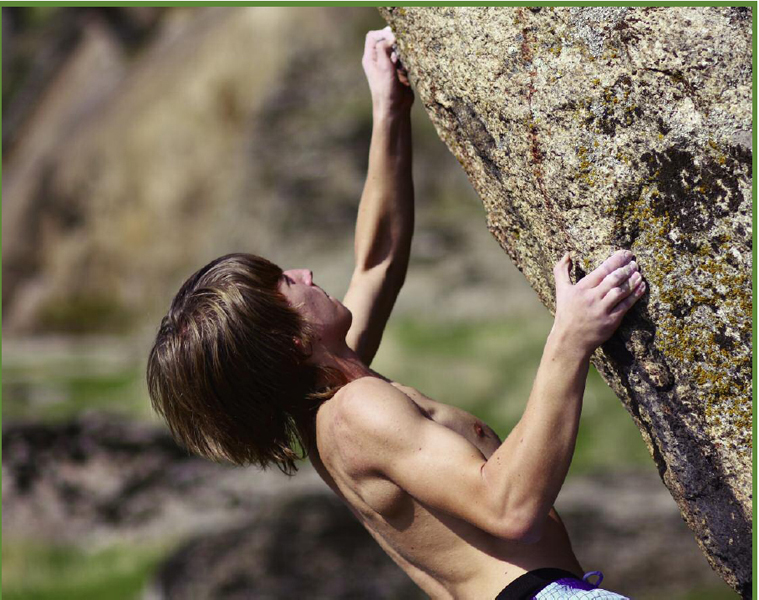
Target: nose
(304, 275)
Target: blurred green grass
(49, 396)
(32, 571)
(56, 381)
(35, 571)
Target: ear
(304, 350)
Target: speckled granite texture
(595, 128)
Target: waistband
(529, 584)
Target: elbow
(396, 272)
(523, 526)
(512, 519)
(523, 531)
(530, 533)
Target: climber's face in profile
(326, 314)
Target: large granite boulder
(597, 128)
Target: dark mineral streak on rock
(469, 121)
(596, 128)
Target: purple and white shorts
(557, 584)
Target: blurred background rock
(140, 143)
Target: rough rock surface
(591, 129)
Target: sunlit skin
(316, 305)
(329, 317)
(462, 512)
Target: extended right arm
(510, 494)
(385, 220)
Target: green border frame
(663, 3)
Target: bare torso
(445, 556)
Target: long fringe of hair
(226, 374)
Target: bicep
(435, 465)
(443, 470)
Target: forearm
(527, 471)
(385, 221)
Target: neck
(346, 362)
(343, 360)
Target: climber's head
(231, 369)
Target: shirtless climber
(251, 360)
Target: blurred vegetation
(58, 396)
(61, 385)
(57, 572)
(86, 314)
(484, 366)
(63, 572)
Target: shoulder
(352, 393)
(371, 404)
(372, 423)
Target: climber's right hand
(391, 93)
(588, 312)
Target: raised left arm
(385, 220)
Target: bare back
(446, 556)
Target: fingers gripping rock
(589, 312)
(561, 271)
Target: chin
(343, 320)
(348, 317)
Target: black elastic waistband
(529, 584)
